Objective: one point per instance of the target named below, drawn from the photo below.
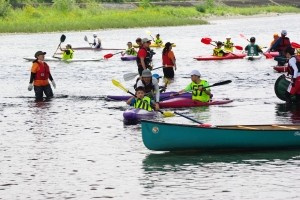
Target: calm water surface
(76, 146)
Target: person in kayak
(144, 56)
(218, 51)
(228, 45)
(199, 87)
(68, 52)
(150, 84)
(252, 49)
(294, 71)
(281, 43)
(130, 50)
(97, 41)
(141, 101)
(40, 73)
(168, 61)
(157, 40)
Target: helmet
(94, 34)
(228, 36)
(252, 39)
(146, 73)
(275, 35)
(157, 34)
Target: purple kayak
(137, 114)
(163, 96)
(128, 57)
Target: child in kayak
(218, 51)
(141, 101)
(252, 49)
(130, 50)
(228, 45)
(199, 87)
(158, 41)
(68, 52)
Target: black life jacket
(148, 58)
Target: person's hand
(53, 83)
(157, 106)
(30, 86)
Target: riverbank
(43, 18)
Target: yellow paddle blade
(148, 32)
(119, 85)
(168, 114)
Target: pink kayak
(274, 54)
(227, 56)
(184, 102)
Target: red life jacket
(166, 60)
(43, 73)
(285, 41)
(290, 69)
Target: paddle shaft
(188, 117)
(131, 76)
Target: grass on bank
(66, 18)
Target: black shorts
(168, 72)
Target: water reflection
(289, 112)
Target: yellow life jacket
(198, 94)
(228, 46)
(68, 54)
(216, 52)
(144, 103)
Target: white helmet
(94, 34)
(228, 36)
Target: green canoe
(159, 136)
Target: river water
(76, 146)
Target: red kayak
(184, 102)
(227, 56)
(280, 68)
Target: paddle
(130, 76)
(86, 39)
(205, 41)
(213, 85)
(148, 32)
(62, 39)
(201, 124)
(107, 56)
(295, 45)
(209, 40)
(267, 55)
(119, 85)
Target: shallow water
(76, 146)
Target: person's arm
(246, 48)
(172, 57)
(292, 63)
(259, 49)
(273, 47)
(123, 53)
(156, 88)
(155, 105)
(130, 100)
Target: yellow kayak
(154, 45)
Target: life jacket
(252, 50)
(228, 46)
(198, 94)
(290, 69)
(216, 52)
(148, 58)
(130, 51)
(68, 54)
(158, 41)
(284, 42)
(144, 103)
(149, 87)
(166, 60)
(43, 72)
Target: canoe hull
(175, 137)
(188, 102)
(164, 95)
(60, 60)
(228, 56)
(280, 88)
(128, 57)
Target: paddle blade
(108, 56)
(206, 40)
(168, 114)
(119, 85)
(239, 48)
(295, 45)
(85, 38)
(221, 83)
(268, 56)
(148, 32)
(129, 76)
(62, 38)
(242, 35)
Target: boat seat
(284, 127)
(247, 127)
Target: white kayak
(253, 57)
(61, 60)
